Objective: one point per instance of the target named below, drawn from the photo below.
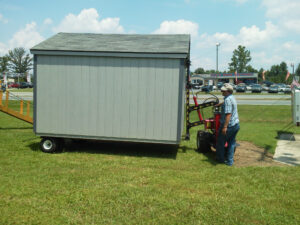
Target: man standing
(229, 126)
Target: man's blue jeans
(230, 139)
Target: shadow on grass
(184, 149)
(266, 153)
(210, 157)
(34, 146)
(121, 148)
(285, 135)
(14, 128)
(267, 148)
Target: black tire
(203, 142)
(51, 145)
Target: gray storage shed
(111, 87)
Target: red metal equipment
(206, 138)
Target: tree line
(240, 60)
(16, 61)
(19, 61)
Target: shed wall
(134, 99)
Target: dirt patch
(247, 154)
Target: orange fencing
(20, 115)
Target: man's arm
(227, 119)
(221, 103)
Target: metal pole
(217, 59)
(217, 55)
(293, 75)
(187, 64)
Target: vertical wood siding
(106, 97)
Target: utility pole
(217, 46)
(292, 65)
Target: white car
(249, 88)
(265, 87)
(281, 87)
(287, 89)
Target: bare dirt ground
(247, 154)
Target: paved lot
(270, 99)
(288, 149)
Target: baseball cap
(227, 87)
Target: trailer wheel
(203, 141)
(51, 145)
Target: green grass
(15, 105)
(21, 90)
(261, 125)
(97, 183)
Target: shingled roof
(120, 43)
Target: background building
(247, 78)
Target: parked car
(249, 87)
(268, 83)
(281, 87)
(256, 88)
(273, 89)
(219, 85)
(233, 85)
(241, 87)
(207, 88)
(196, 86)
(265, 87)
(287, 89)
(13, 85)
(25, 85)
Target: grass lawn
(261, 125)
(21, 90)
(97, 183)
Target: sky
(269, 29)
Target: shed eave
(110, 54)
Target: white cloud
(88, 21)
(285, 12)
(248, 36)
(2, 19)
(203, 49)
(48, 21)
(178, 27)
(291, 46)
(3, 49)
(27, 37)
(279, 8)
(253, 35)
(292, 25)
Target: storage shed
(111, 87)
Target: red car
(13, 85)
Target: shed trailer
(114, 87)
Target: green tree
(4, 63)
(250, 69)
(240, 59)
(19, 60)
(199, 71)
(278, 73)
(210, 71)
